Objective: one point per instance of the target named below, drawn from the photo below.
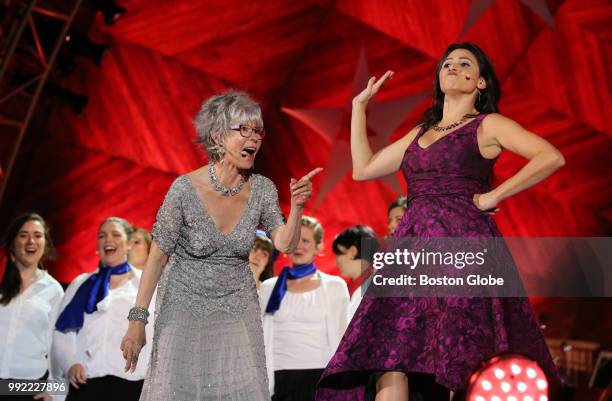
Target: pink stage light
(508, 378)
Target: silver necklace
(219, 187)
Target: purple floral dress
(447, 337)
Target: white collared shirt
(332, 296)
(26, 327)
(96, 345)
(356, 298)
(300, 331)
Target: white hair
(216, 115)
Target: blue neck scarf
(86, 298)
(280, 288)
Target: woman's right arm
(150, 275)
(166, 231)
(366, 164)
(135, 337)
(64, 353)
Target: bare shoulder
(197, 176)
(409, 137)
(497, 120)
(496, 126)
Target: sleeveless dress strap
(415, 140)
(478, 119)
(481, 117)
(418, 135)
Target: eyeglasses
(246, 131)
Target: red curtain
(135, 136)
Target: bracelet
(138, 314)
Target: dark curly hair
(489, 96)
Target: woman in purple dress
(447, 161)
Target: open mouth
(31, 250)
(110, 249)
(248, 152)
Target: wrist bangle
(138, 314)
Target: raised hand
(373, 87)
(301, 190)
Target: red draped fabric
(135, 136)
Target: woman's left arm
(56, 301)
(339, 312)
(544, 158)
(287, 236)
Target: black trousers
(296, 385)
(106, 388)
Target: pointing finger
(312, 173)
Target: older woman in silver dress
(208, 339)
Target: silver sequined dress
(208, 339)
